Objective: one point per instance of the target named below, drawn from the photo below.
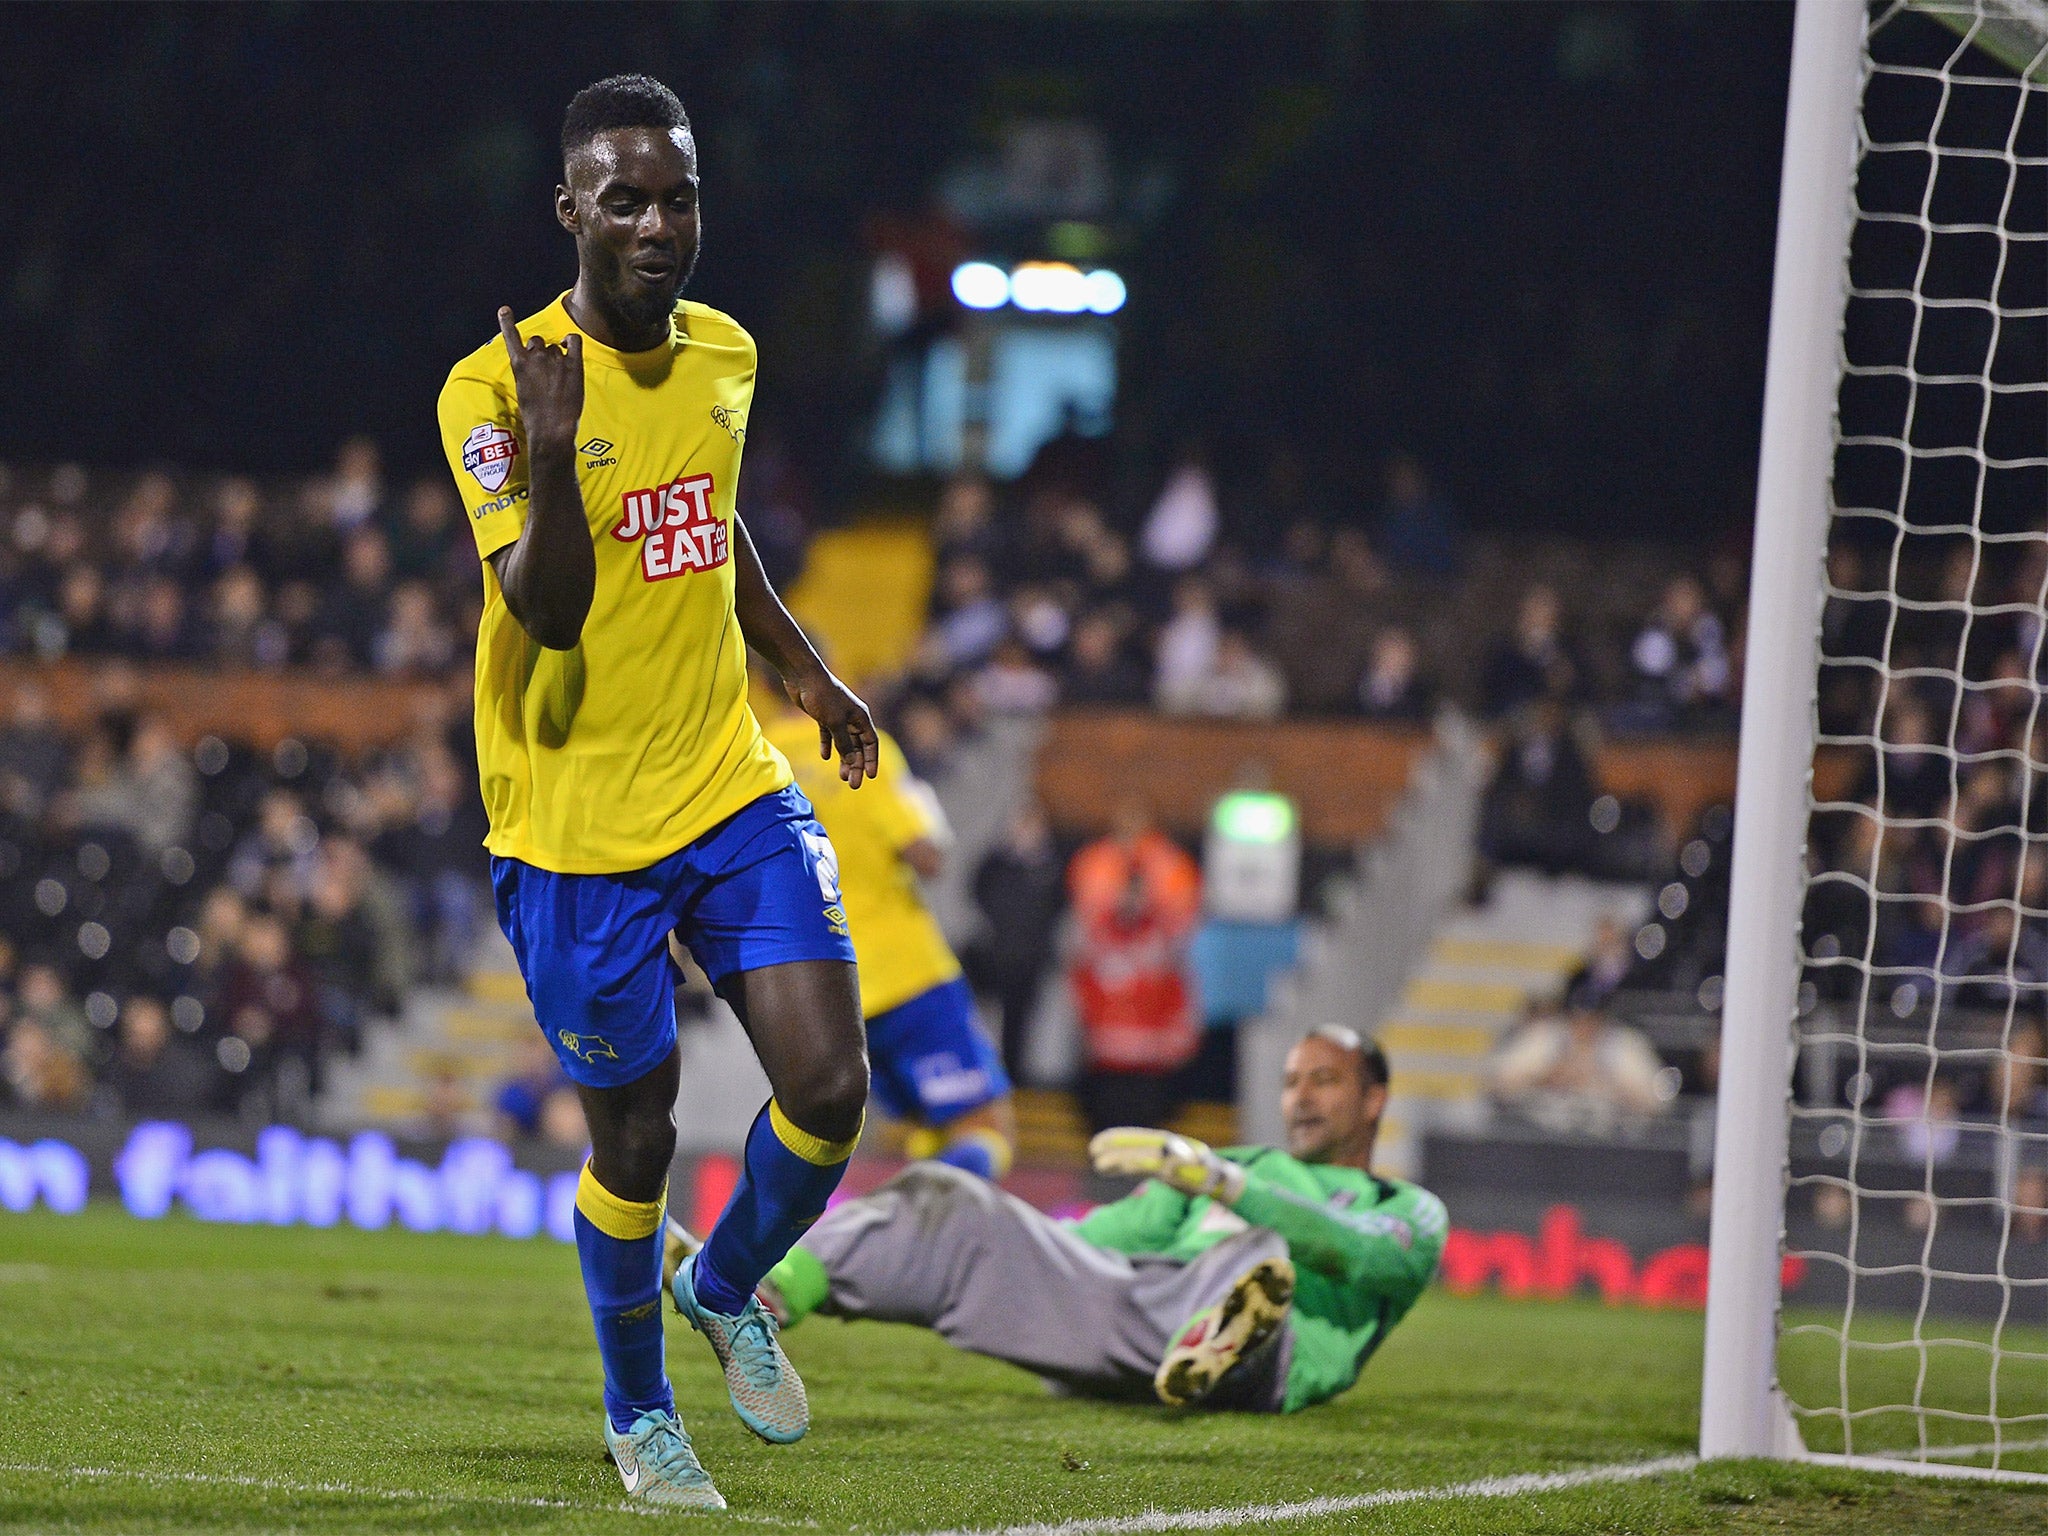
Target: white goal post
(1843, 52)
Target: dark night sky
(1530, 242)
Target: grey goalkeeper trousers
(938, 1247)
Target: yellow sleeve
(487, 455)
(898, 814)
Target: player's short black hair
(620, 101)
(1372, 1061)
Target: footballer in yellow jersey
(597, 446)
(931, 1062)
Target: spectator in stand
(43, 999)
(1181, 528)
(2019, 1100)
(357, 491)
(40, 1072)
(926, 733)
(1394, 687)
(1683, 675)
(1417, 531)
(354, 612)
(235, 538)
(283, 839)
(965, 523)
(1917, 767)
(240, 631)
(1582, 1073)
(1239, 684)
(1040, 620)
(338, 943)
(161, 629)
(413, 641)
(34, 760)
(1608, 961)
(427, 531)
(1536, 809)
(1532, 661)
(435, 844)
(1136, 896)
(153, 1072)
(1322, 632)
(273, 1009)
(150, 793)
(520, 1099)
(1100, 669)
(83, 626)
(971, 618)
(1186, 648)
(1013, 684)
(1018, 887)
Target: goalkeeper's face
(1332, 1112)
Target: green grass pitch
(172, 1376)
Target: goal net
(1915, 1224)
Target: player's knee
(642, 1148)
(830, 1100)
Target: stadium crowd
(196, 930)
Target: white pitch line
(352, 1490)
(1339, 1504)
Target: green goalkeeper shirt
(1363, 1249)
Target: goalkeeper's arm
(1368, 1247)
(1365, 1247)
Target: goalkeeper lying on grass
(1245, 1278)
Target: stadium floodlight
(1906, 409)
(1106, 292)
(1049, 286)
(981, 285)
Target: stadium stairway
(1483, 969)
(468, 1036)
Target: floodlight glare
(981, 285)
(1049, 286)
(1105, 291)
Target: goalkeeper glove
(1179, 1162)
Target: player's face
(631, 203)
(1330, 1110)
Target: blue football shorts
(761, 888)
(929, 1060)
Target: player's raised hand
(549, 378)
(843, 722)
(1181, 1162)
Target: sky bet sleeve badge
(487, 453)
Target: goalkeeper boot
(658, 1464)
(1218, 1338)
(766, 1392)
(679, 1242)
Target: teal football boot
(658, 1464)
(766, 1392)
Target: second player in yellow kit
(931, 1063)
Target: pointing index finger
(509, 329)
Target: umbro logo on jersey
(597, 453)
(597, 447)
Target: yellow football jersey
(895, 938)
(612, 756)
